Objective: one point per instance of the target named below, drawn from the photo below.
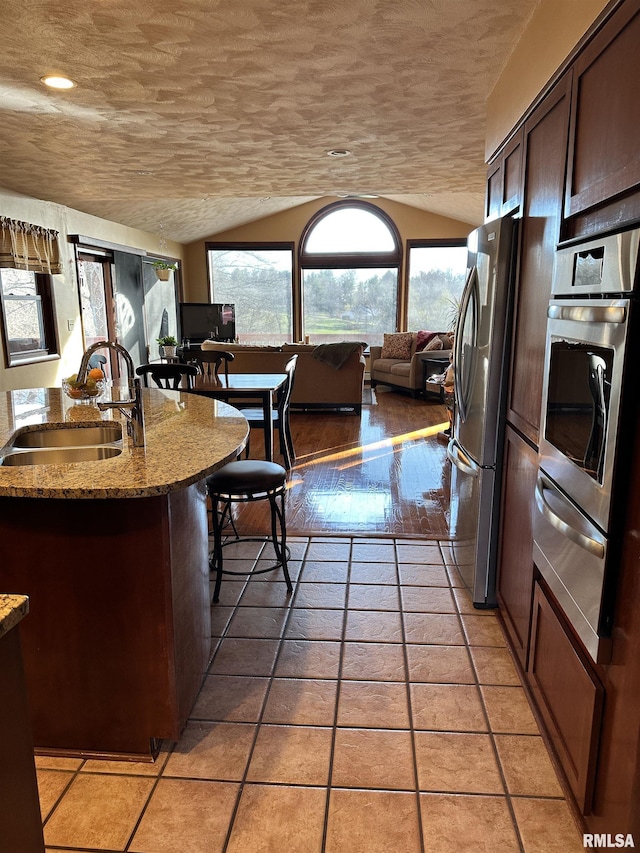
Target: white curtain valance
(29, 247)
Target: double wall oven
(587, 392)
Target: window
(258, 280)
(350, 259)
(27, 315)
(436, 273)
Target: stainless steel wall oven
(588, 370)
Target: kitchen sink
(70, 436)
(61, 455)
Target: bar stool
(244, 481)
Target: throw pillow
(397, 345)
(423, 338)
(434, 344)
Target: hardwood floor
(382, 473)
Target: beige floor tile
(275, 819)
(374, 625)
(414, 574)
(494, 666)
(98, 811)
(236, 656)
(303, 702)
(376, 573)
(376, 704)
(427, 599)
(258, 622)
(464, 602)
(455, 578)
(373, 758)
(230, 698)
(483, 630)
(242, 549)
(308, 659)
(56, 762)
(230, 593)
(315, 571)
(51, 784)
(527, 766)
(212, 751)
(546, 826)
(433, 629)
(292, 755)
(453, 823)
(457, 763)
(187, 816)
(440, 664)
(447, 708)
(305, 624)
(373, 597)
(323, 595)
(264, 595)
(374, 552)
(509, 711)
(427, 554)
(328, 550)
(372, 822)
(276, 577)
(373, 662)
(220, 618)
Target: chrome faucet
(131, 408)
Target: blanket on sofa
(335, 355)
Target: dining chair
(168, 376)
(280, 416)
(209, 363)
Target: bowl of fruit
(92, 387)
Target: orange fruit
(95, 373)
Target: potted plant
(168, 346)
(163, 269)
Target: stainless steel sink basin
(70, 436)
(61, 455)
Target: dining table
(241, 387)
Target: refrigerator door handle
(461, 460)
(592, 546)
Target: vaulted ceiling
(190, 117)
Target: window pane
(436, 280)
(349, 304)
(350, 230)
(24, 326)
(258, 282)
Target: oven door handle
(592, 546)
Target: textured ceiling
(194, 116)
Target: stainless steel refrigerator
(481, 366)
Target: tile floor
(374, 711)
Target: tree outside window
(437, 274)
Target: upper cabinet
(604, 156)
(504, 179)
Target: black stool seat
(244, 481)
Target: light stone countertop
(13, 608)
(187, 437)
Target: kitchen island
(113, 555)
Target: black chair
(168, 375)
(281, 422)
(244, 481)
(209, 363)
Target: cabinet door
(545, 146)
(604, 159)
(512, 174)
(515, 566)
(569, 697)
(494, 190)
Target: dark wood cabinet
(545, 146)
(504, 179)
(568, 695)
(515, 561)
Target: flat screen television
(200, 321)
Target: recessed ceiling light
(338, 152)
(54, 81)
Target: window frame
(44, 291)
(429, 243)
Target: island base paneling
(118, 638)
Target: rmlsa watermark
(607, 840)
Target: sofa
(398, 362)
(317, 384)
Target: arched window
(350, 257)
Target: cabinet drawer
(569, 697)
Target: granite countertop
(13, 608)
(187, 437)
